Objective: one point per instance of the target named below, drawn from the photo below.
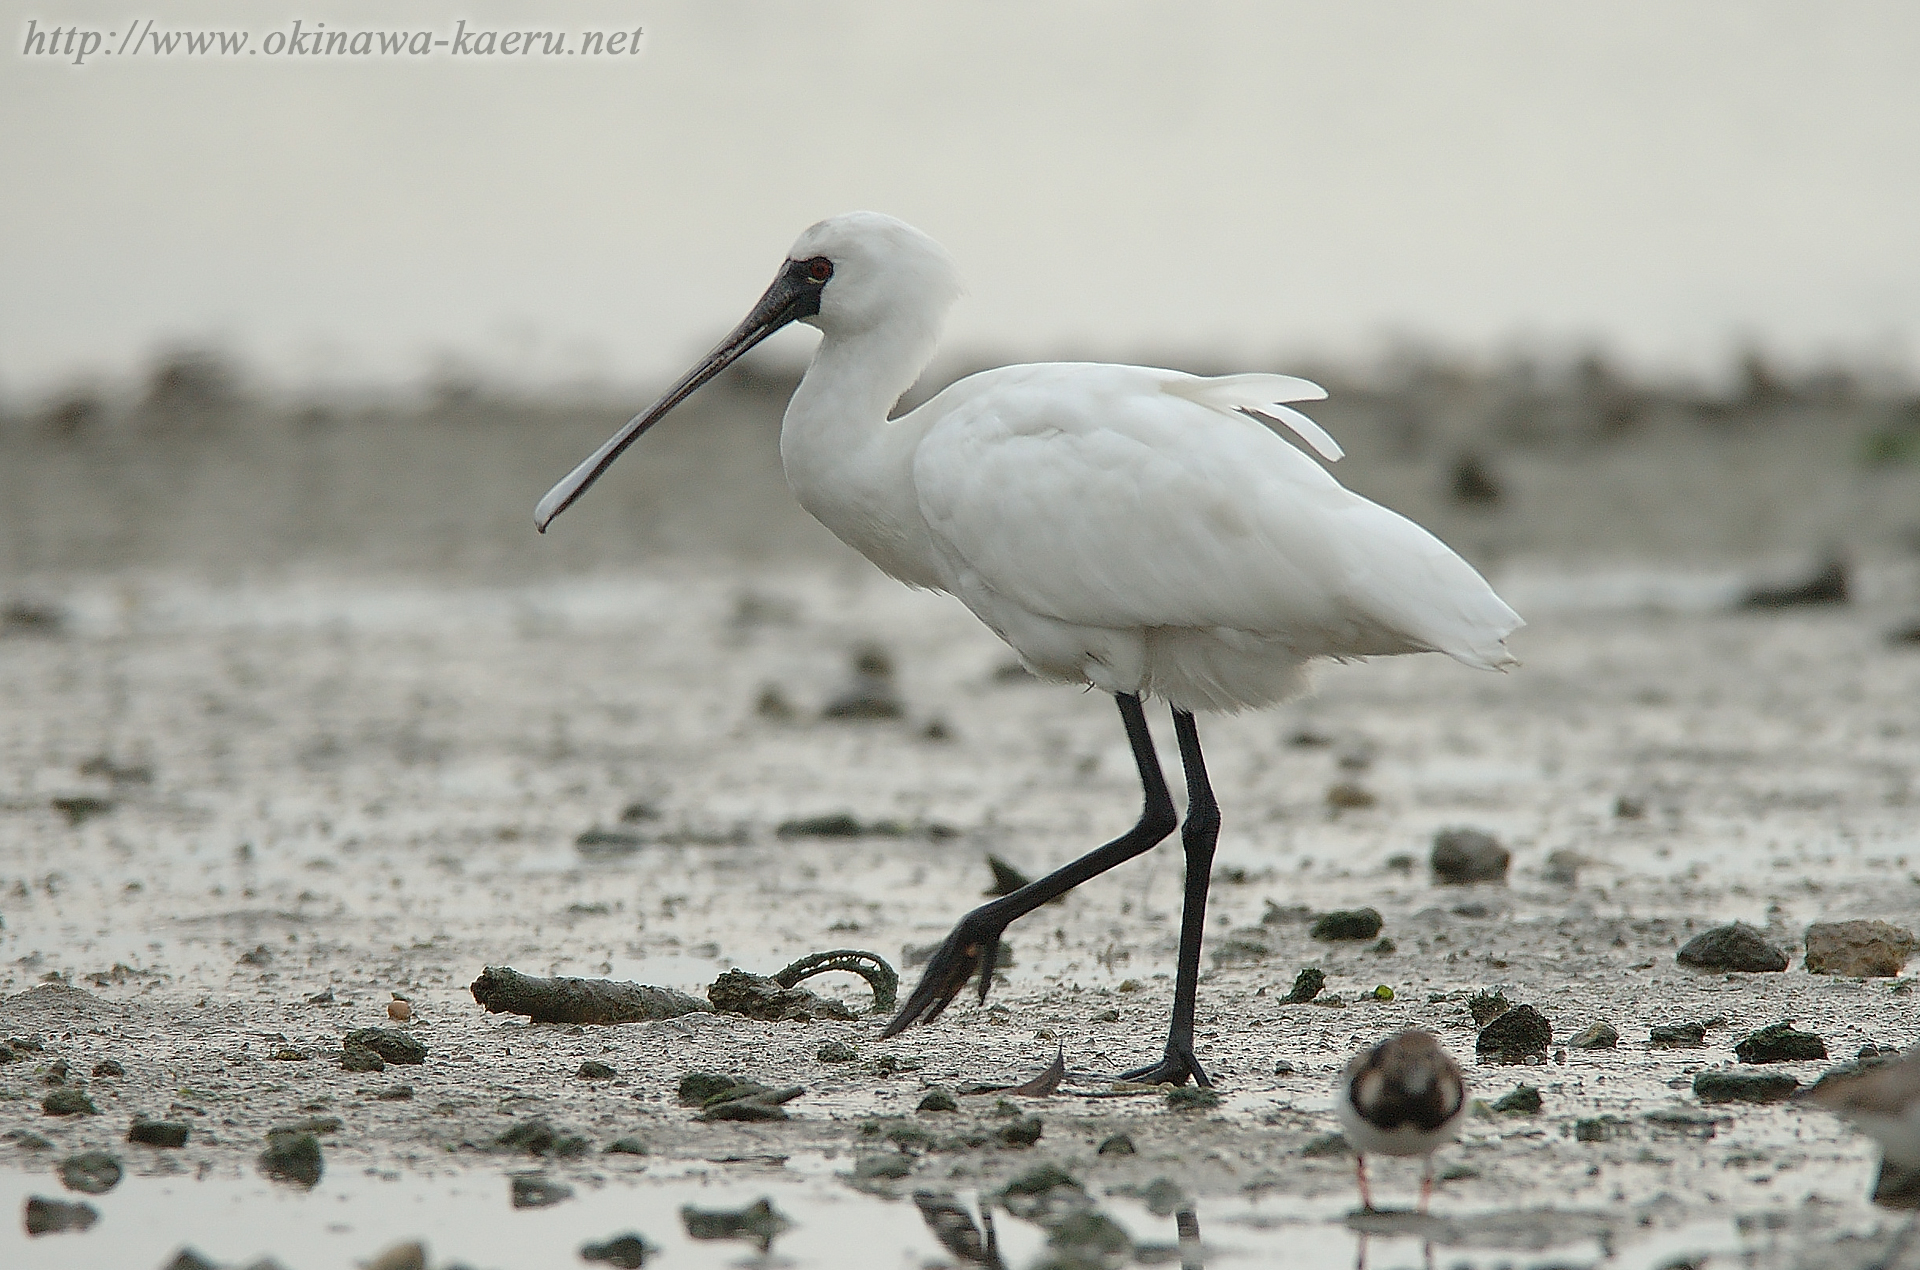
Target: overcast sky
(1240, 181)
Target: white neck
(846, 463)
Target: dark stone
(1595, 1129)
(607, 844)
(1473, 483)
(1023, 1132)
(836, 1052)
(759, 1222)
(68, 1101)
(1677, 1035)
(1038, 1181)
(91, 1172)
(1519, 1034)
(1744, 1086)
(750, 1101)
(1118, 1144)
(1595, 1036)
(358, 1058)
(537, 1137)
(395, 1047)
(1866, 949)
(1827, 584)
(530, 1190)
(1468, 855)
(1326, 1146)
(628, 1251)
(1306, 986)
(1521, 1100)
(592, 1069)
(292, 1157)
(108, 1067)
(1780, 1043)
(188, 1259)
(395, 1093)
(626, 1146)
(51, 1216)
(1354, 923)
(1736, 947)
(1896, 1186)
(938, 1100)
(157, 1133)
(697, 1087)
(886, 1168)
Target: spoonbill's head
(847, 275)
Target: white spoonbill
(1142, 531)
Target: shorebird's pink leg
(1360, 1171)
(1426, 1185)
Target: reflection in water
(953, 1226)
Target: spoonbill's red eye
(820, 270)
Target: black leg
(1197, 836)
(976, 940)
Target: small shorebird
(1141, 531)
(1404, 1096)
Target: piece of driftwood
(503, 990)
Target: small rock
(536, 1136)
(531, 1190)
(1106, 1016)
(759, 997)
(390, 1044)
(292, 1156)
(396, 1093)
(157, 1133)
(1780, 1043)
(1744, 1087)
(629, 1251)
(1826, 584)
(1562, 867)
(108, 1067)
(1594, 1128)
(1473, 483)
(1023, 1132)
(773, 706)
(1677, 1035)
(886, 1167)
(1521, 1100)
(626, 1146)
(51, 1216)
(27, 1140)
(938, 1100)
(1595, 1036)
(1736, 947)
(871, 695)
(1514, 1037)
(358, 1058)
(1384, 947)
(1866, 949)
(68, 1101)
(1627, 807)
(1306, 986)
(836, 1052)
(260, 956)
(593, 1069)
(1468, 855)
(1327, 1145)
(697, 1087)
(1356, 923)
(1117, 1144)
(750, 1102)
(1350, 796)
(91, 1172)
(1191, 1098)
(188, 1259)
(607, 844)
(411, 1255)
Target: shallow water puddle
(467, 1219)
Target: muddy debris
(1486, 1006)
(1595, 1036)
(599, 843)
(844, 824)
(536, 1190)
(1865, 949)
(1677, 1035)
(68, 1100)
(80, 808)
(1520, 1035)
(628, 1252)
(158, 1133)
(1327, 1146)
(294, 1157)
(1347, 924)
(53, 1216)
(594, 1069)
(1735, 947)
(750, 1101)
(1737, 1086)
(628, 1145)
(1023, 1132)
(1521, 1100)
(1191, 1098)
(938, 1100)
(1597, 1128)
(836, 1052)
(536, 1136)
(761, 997)
(881, 977)
(1306, 986)
(1462, 855)
(759, 1223)
(1006, 878)
(107, 1067)
(1117, 1144)
(91, 1172)
(1780, 1043)
(563, 999)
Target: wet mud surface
(239, 820)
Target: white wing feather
(1262, 395)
